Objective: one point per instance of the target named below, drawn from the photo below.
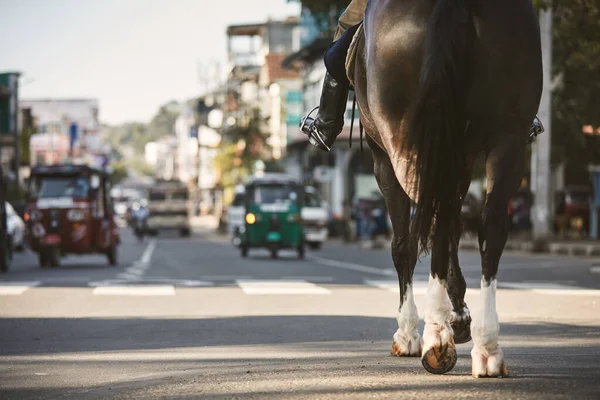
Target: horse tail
(437, 131)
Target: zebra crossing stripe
(135, 290)
(15, 288)
(419, 287)
(270, 287)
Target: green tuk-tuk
(273, 206)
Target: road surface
(189, 318)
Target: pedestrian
(346, 220)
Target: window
(179, 196)
(52, 187)
(157, 196)
(274, 195)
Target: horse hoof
(461, 325)
(462, 331)
(399, 351)
(501, 373)
(492, 366)
(440, 359)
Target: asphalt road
(189, 318)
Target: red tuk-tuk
(69, 211)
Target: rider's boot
(323, 130)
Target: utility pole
(540, 155)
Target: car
(470, 212)
(15, 228)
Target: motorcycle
(140, 217)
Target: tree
(119, 172)
(163, 123)
(576, 62)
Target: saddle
(340, 56)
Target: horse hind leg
(505, 165)
(407, 341)
(439, 349)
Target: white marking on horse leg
(407, 341)
(487, 357)
(437, 316)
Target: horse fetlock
(460, 321)
(407, 344)
(488, 362)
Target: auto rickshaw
(273, 206)
(69, 211)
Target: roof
(273, 68)
(245, 30)
(273, 178)
(66, 169)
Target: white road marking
(135, 290)
(308, 278)
(139, 267)
(595, 270)
(150, 281)
(223, 277)
(16, 288)
(352, 266)
(568, 292)
(126, 276)
(148, 253)
(392, 286)
(262, 287)
(135, 271)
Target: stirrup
(303, 120)
(315, 140)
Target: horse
(439, 84)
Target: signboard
(8, 103)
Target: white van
(315, 216)
(169, 208)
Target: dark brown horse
(440, 83)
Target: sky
(131, 55)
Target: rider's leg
(329, 121)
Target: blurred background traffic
(218, 101)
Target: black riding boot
(323, 130)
